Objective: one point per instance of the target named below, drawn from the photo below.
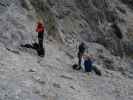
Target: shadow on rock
(35, 46)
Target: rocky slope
(25, 76)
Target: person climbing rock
(81, 50)
(40, 29)
(80, 53)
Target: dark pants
(40, 39)
(79, 58)
(40, 43)
(88, 65)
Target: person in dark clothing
(80, 53)
(40, 30)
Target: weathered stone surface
(25, 76)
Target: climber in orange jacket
(40, 29)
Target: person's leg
(40, 43)
(88, 65)
(79, 60)
(40, 40)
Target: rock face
(128, 2)
(104, 25)
(70, 22)
(85, 20)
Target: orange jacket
(40, 27)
